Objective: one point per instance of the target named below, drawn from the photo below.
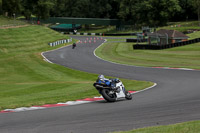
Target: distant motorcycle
(73, 45)
(111, 89)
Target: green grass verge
(181, 57)
(105, 29)
(194, 35)
(186, 127)
(10, 21)
(182, 26)
(26, 80)
(179, 26)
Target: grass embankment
(105, 29)
(182, 26)
(194, 35)
(179, 26)
(182, 57)
(26, 80)
(186, 127)
(4, 22)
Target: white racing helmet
(101, 77)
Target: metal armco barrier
(52, 44)
(103, 34)
(171, 45)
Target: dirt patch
(18, 26)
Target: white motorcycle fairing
(121, 93)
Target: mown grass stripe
(180, 57)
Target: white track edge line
(185, 69)
(20, 109)
(53, 50)
(46, 58)
(124, 65)
(155, 84)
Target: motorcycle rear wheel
(108, 97)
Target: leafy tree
(58, 10)
(28, 7)
(187, 11)
(163, 10)
(1, 11)
(127, 9)
(43, 8)
(196, 4)
(115, 4)
(40, 8)
(148, 12)
(142, 12)
(87, 8)
(103, 8)
(68, 9)
(81, 9)
(11, 6)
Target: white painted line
(187, 69)
(24, 109)
(100, 98)
(146, 88)
(68, 102)
(75, 102)
(45, 59)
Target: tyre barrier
(103, 34)
(52, 44)
(165, 46)
(136, 40)
(78, 33)
(121, 34)
(131, 40)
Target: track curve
(176, 98)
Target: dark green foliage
(11, 6)
(139, 12)
(28, 8)
(1, 11)
(196, 5)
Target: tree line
(145, 12)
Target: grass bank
(186, 127)
(179, 26)
(182, 26)
(122, 52)
(194, 35)
(106, 29)
(4, 22)
(26, 80)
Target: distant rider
(73, 45)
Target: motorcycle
(112, 89)
(73, 45)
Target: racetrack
(176, 98)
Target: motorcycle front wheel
(107, 96)
(128, 95)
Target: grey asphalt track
(176, 98)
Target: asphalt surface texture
(175, 99)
